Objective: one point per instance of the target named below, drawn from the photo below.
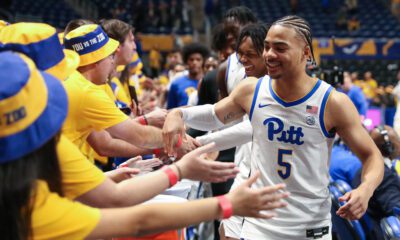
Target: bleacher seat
(375, 18)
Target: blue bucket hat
(33, 106)
(40, 42)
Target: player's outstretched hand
(173, 129)
(250, 202)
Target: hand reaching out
(145, 166)
(195, 166)
(249, 202)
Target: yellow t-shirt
(154, 59)
(92, 155)
(86, 149)
(90, 108)
(107, 88)
(119, 92)
(78, 174)
(397, 167)
(54, 217)
(370, 87)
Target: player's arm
(209, 117)
(236, 135)
(342, 116)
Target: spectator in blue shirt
(355, 94)
(193, 56)
(344, 164)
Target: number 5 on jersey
(286, 167)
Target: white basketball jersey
(292, 146)
(234, 72)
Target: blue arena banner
(357, 49)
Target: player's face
(195, 63)
(253, 62)
(284, 52)
(127, 49)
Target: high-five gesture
(195, 166)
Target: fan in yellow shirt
(32, 206)
(35, 40)
(54, 217)
(90, 108)
(79, 176)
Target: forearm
(201, 117)
(126, 193)
(142, 188)
(372, 172)
(236, 135)
(138, 135)
(105, 145)
(154, 218)
(184, 214)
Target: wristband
(142, 120)
(226, 206)
(157, 152)
(172, 177)
(179, 142)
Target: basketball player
(294, 119)
(250, 53)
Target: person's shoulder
(247, 85)
(340, 110)
(78, 82)
(337, 97)
(180, 79)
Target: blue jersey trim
(321, 114)
(227, 70)
(255, 97)
(297, 102)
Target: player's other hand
(356, 203)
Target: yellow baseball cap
(91, 43)
(40, 42)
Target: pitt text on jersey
(275, 127)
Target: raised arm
(227, 110)
(342, 116)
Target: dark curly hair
(243, 15)
(194, 48)
(257, 33)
